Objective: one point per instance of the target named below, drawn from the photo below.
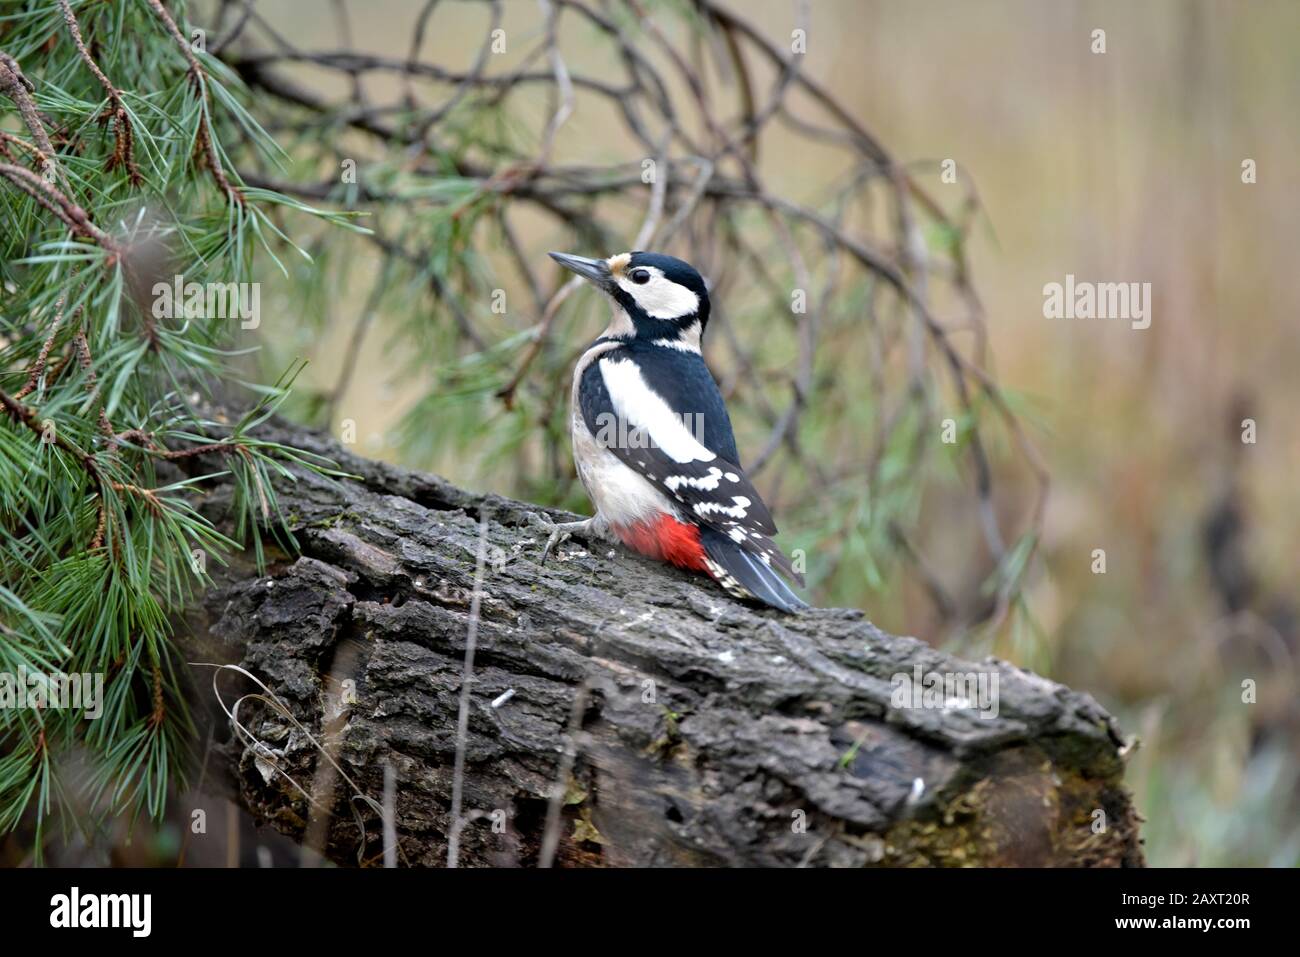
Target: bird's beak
(595, 271)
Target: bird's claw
(557, 534)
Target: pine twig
(124, 137)
(205, 143)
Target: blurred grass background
(1122, 166)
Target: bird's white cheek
(662, 299)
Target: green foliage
(105, 404)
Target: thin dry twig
(466, 687)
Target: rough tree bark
(707, 732)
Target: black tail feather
(741, 572)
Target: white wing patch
(705, 483)
(739, 510)
(643, 408)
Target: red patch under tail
(666, 539)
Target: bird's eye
(640, 276)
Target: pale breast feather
(676, 435)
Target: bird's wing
(662, 416)
(673, 433)
(663, 434)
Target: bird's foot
(558, 533)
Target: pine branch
(206, 143)
(124, 150)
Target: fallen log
(619, 712)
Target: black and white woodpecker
(652, 439)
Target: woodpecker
(652, 440)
